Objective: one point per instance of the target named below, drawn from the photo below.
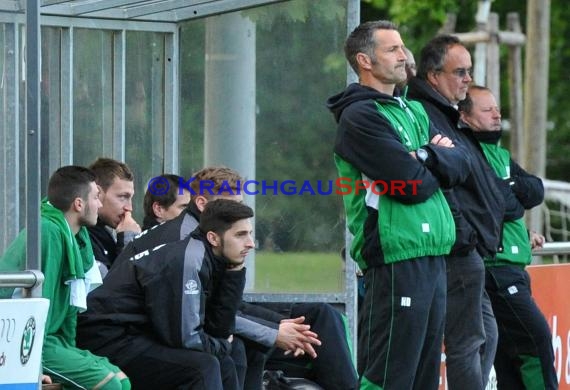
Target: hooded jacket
(529, 192)
(66, 263)
(478, 204)
(376, 135)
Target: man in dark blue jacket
(478, 205)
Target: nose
(99, 204)
(250, 242)
(128, 205)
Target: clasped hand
(295, 337)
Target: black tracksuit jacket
(481, 202)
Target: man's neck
(374, 83)
(453, 104)
(73, 222)
(217, 251)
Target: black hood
(419, 89)
(488, 137)
(354, 92)
(218, 262)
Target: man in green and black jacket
(401, 222)
(524, 358)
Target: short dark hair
(432, 56)
(466, 105)
(107, 169)
(361, 40)
(163, 199)
(68, 183)
(218, 176)
(219, 215)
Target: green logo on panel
(27, 340)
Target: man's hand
(128, 224)
(536, 240)
(295, 336)
(440, 140)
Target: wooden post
(515, 91)
(480, 67)
(493, 63)
(536, 93)
(449, 25)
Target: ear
(465, 119)
(101, 193)
(77, 205)
(157, 209)
(364, 61)
(432, 78)
(201, 202)
(213, 239)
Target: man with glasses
(478, 205)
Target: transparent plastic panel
(92, 95)
(12, 153)
(299, 64)
(144, 111)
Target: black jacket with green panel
(375, 138)
(528, 190)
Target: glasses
(461, 72)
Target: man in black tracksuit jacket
(479, 205)
(263, 331)
(115, 225)
(166, 316)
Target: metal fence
(30, 281)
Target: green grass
(305, 272)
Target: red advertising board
(551, 290)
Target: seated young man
(67, 263)
(266, 333)
(167, 314)
(164, 200)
